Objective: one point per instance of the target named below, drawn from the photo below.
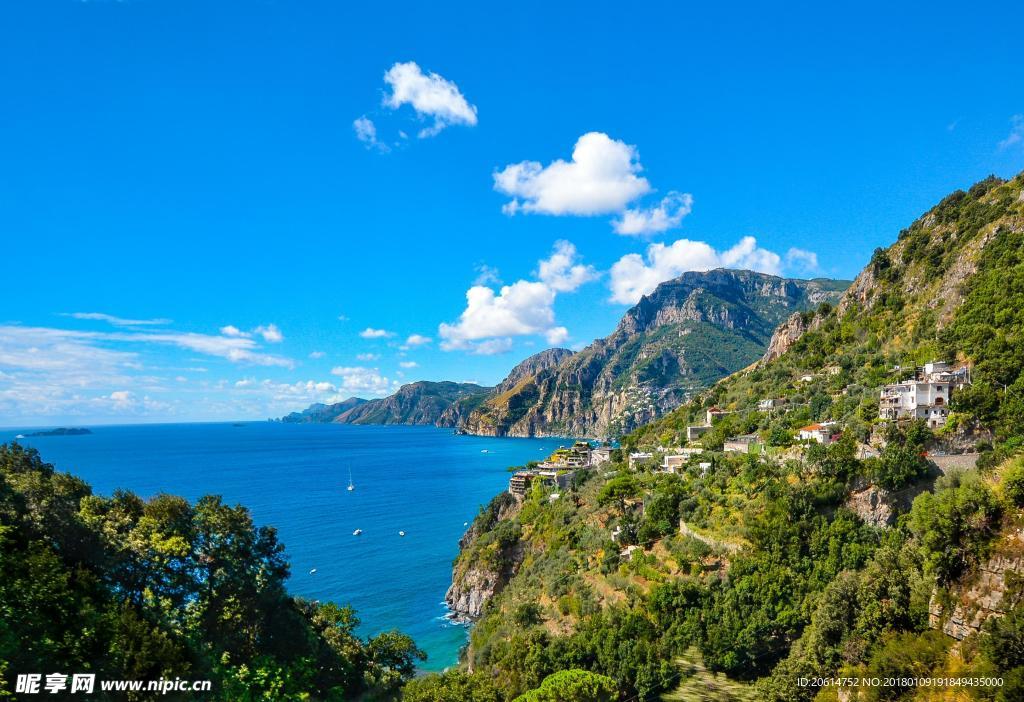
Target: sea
(425, 481)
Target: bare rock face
(784, 337)
(986, 595)
(476, 579)
(467, 596)
(872, 504)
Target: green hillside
(736, 578)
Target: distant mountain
(439, 403)
(423, 402)
(320, 413)
(686, 335)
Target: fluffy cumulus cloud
(364, 357)
(635, 275)
(359, 380)
(433, 97)
(667, 214)
(371, 333)
(409, 364)
(417, 340)
(602, 177)
(270, 333)
(526, 307)
(561, 272)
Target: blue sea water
(425, 481)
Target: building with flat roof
(740, 444)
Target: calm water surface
(421, 480)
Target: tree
(572, 686)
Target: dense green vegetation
(762, 566)
(134, 589)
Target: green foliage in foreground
(134, 589)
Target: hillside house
(712, 414)
(924, 396)
(772, 403)
(695, 432)
(639, 457)
(823, 433)
(599, 455)
(674, 463)
(740, 444)
(519, 483)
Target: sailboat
(351, 485)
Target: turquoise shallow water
(425, 481)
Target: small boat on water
(357, 532)
(401, 533)
(20, 436)
(351, 485)
(312, 570)
(483, 450)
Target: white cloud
(122, 399)
(801, 261)
(635, 275)
(371, 333)
(417, 340)
(361, 380)
(117, 321)
(232, 330)
(342, 318)
(1016, 135)
(409, 364)
(366, 132)
(367, 356)
(491, 347)
(601, 178)
(270, 333)
(316, 354)
(668, 214)
(521, 308)
(430, 95)
(560, 271)
(487, 275)
(556, 335)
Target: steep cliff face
(489, 555)
(688, 333)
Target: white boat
(357, 532)
(351, 485)
(483, 450)
(20, 436)
(401, 533)
(312, 570)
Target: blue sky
(198, 222)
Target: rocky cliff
(489, 555)
(688, 333)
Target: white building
(925, 396)
(823, 433)
(599, 455)
(638, 457)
